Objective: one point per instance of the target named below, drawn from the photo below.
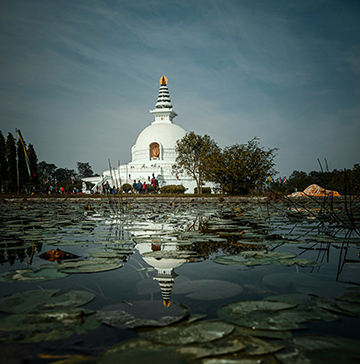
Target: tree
(46, 170)
(298, 180)
(64, 173)
(3, 162)
(84, 169)
(34, 179)
(11, 162)
(194, 154)
(239, 169)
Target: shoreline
(154, 198)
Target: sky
(78, 78)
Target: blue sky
(78, 78)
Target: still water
(217, 282)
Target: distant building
(153, 153)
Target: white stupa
(154, 150)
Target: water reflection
(166, 236)
(166, 274)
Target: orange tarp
(315, 191)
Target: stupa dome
(166, 134)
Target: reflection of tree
(208, 248)
(2, 257)
(11, 255)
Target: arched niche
(154, 150)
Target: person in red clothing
(144, 187)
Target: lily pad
(106, 255)
(320, 349)
(351, 308)
(142, 313)
(256, 314)
(198, 332)
(55, 325)
(353, 296)
(28, 275)
(256, 346)
(251, 258)
(273, 334)
(140, 351)
(300, 262)
(44, 300)
(89, 266)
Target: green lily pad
(251, 258)
(231, 260)
(224, 346)
(140, 351)
(142, 313)
(351, 308)
(89, 266)
(58, 325)
(107, 255)
(256, 346)
(300, 262)
(245, 307)
(320, 349)
(273, 334)
(44, 300)
(28, 275)
(353, 296)
(267, 254)
(198, 332)
(262, 315)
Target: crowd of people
(140, 188)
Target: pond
(210, 281)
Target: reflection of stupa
(164, 266)
(154, 150)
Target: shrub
(205, 190)
(126, 187)
(173, 189)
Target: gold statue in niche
(154, 150)
(163, 81)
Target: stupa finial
(163, 80)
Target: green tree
(239, 169)
(298, 181)
(194, 155)
(84, 169)
(63, 174)
(34, 179)
(10, 147)
(3, 162)
(46, 170)
(355, 186)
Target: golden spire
(166, 303)
(163, 81)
